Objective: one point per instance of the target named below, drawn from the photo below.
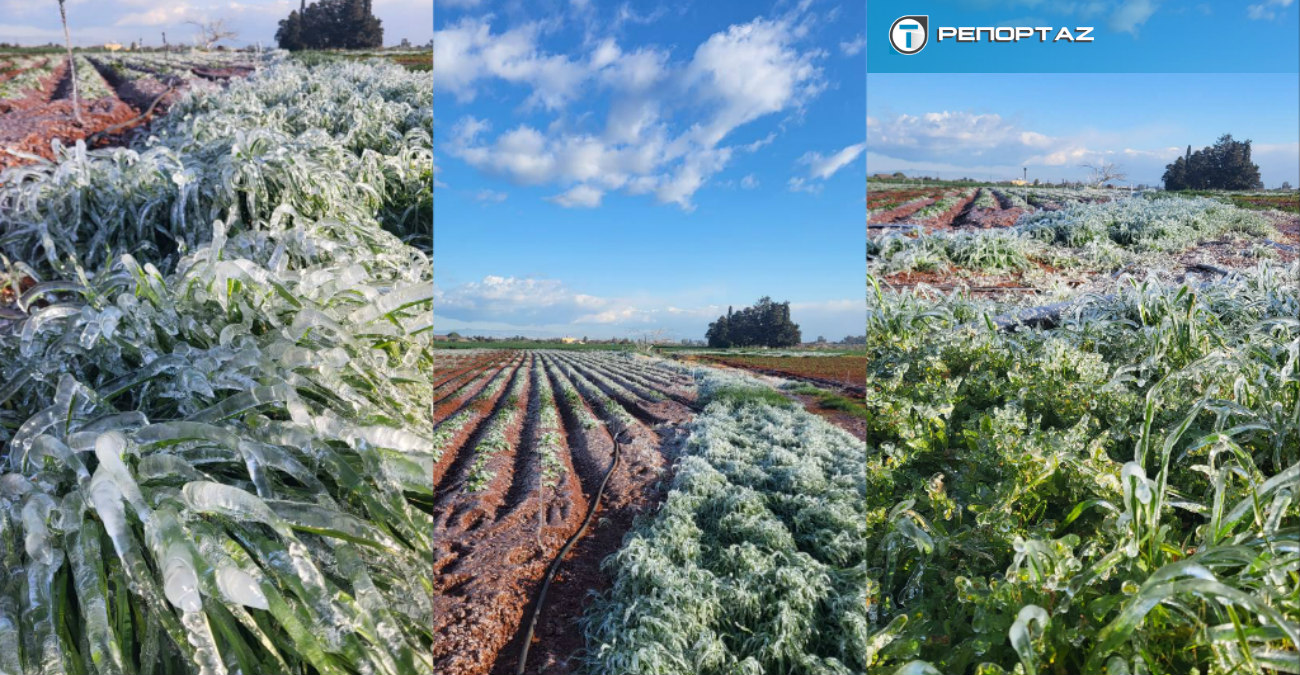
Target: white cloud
(823, 168)
(855, 46)
(583, 196)
(749, 71)
(947, 134)
(460, 4)
(490, 196)
(800, 184)
(469, 51)
(508, 305)
(161, 16)
(1130, 15)
(1265, 11)
(666, 120)
(749, 182)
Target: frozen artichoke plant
(755, 563)
(215, 442)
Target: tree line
(1225, 165)
(766, 324)
(331, 24)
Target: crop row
(215, 415)
(1112, 495)
(1103, 235)
(755, 561)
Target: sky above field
(95, 22)
(989, 126)
(612, 169)
(1246, 36)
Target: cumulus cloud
(749, 182)
(668, 121)
(943, 135)
(469, 51)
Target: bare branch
(212, 32)
(1105, 172)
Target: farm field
(840, 371)
(1084, 439)
(523, 442)
(116, 90)
(1041, 244)
(215, 374)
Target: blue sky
(94, 22)
(1249, 36)
(612, 169)
(990, 125)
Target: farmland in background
(522, 441)
(115, 90)
(1083, 452)
(215, 374)
(1038, 243)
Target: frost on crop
(1117, 494)
(214, 427)
(755, 562)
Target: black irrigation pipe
(564, 550)
(120, 125)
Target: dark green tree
(1226, 165)
(332, 24)
(766, 324)
(289, 36)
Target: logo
(909, 34)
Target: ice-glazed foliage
(1102, 235)
(756, 561)
(215, 432)
(341, 142)
(1117, 494)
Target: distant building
(571, 340)
(112, 46)
(406, 44)
(1019, 183)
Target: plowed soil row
(499, 519)
(29, 123)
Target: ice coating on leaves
(209, 497)
(200, 637)
(1020, 637)
(180, 582)
(36, 511)
(190, 336)
(1135, 482)
(239, 587)
(107, 500)
(108, 449)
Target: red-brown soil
(492, 545)
(854, 425)
(901, 212)
(29, 123)
(841, 372)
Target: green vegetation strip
(214, 423)
(756, 562)
(1114, 495)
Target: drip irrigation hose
(91, 139)
(564, 550)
